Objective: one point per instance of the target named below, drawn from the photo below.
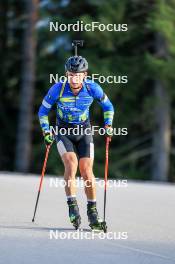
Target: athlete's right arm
(47, 103)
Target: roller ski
(95, 222)
(74, 214)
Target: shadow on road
(40, 228)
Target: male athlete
(73, 99)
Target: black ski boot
(74, 214)
(95, 222)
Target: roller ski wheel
(74, 215)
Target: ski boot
(95, 222)
(74, 215)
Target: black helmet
(76, 64)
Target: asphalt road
(140, 217)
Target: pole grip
(75, 44)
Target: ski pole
(108, 139)
(41, 180)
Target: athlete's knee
(70, 164)
(86, 171)
(88, 177)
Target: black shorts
(79, 142)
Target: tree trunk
(162, 133)
(3, 73)
(23, 145)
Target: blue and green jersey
(74, 109)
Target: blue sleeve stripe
(46, 104)
(105, 98)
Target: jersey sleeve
(105, 103)
(47, 103)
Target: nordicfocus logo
(56, 182)
(80, 26)
(55, 78)
(80, 234)
(79, 130)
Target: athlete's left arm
(105, 103)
